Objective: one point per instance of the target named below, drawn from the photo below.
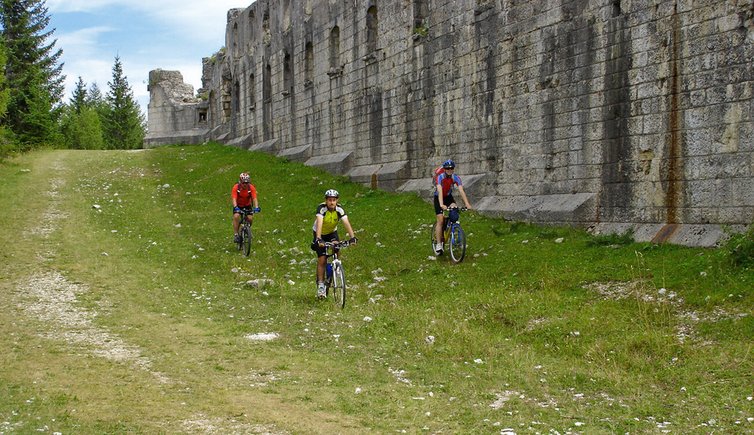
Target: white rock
(96, 206)
(559, 240)
(262, 336)
(358, 390)
(367, 319)
(429, 339)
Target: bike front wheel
(433, 241)
(246, 240)
(339, 287)
(457, 244)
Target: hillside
(126, 308)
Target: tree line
(32, 111)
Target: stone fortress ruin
(608, 114)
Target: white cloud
(184, 31)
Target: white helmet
(332, 193)
(244, 177)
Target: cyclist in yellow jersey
(325, 229)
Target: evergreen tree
(82, 129)
(124, 122)
(33, 72)
(81, 123)
(6, 141)
(94, 99)
(79, 98)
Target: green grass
(591, 334)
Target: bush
(740, 248)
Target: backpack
(437, 173)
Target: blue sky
(167, 34)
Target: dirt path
(52, 300)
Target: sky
(147, 35)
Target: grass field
(125, 308)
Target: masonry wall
(585, 112)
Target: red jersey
(243, 194)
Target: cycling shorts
(446, 200)
(321, 250)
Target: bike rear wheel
(457, 243)
(339, 287)
(246, 239)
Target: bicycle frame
(452, 233)
(335, 280)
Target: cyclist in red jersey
(444, 198)
(243, 195)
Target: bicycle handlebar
(339, 244)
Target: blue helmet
(449, 164)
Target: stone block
(338, 163)
(187, 137)
(299, 154)
(560, 208)
(243, 142)
(267, 146)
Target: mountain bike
(452, 234)
(244, 232)
(335, 276)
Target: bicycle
(452, 233)
(244, 233)
(335, 276)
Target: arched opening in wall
(266, 26)
(236, 97)
(287, 74)
(334, 50)
(212, 105)
(252, 19)
(616, 8)
(372, 27)
(227, 93)
(308, 64)
(286, 14)
(252, 92)
(235, 39)
(267, 103)
(202, 116)
(421, 11)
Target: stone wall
(175, 114)
(613, 114)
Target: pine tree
(81, 123)
(124, 122)
(79, 98)
(33, 72)
(95, 100)
(6, 142)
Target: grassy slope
(515, 325)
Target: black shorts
(321, 250)
(446, 200)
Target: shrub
(740, 248)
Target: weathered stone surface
(338, 163)
(641, 109)
(174, 112)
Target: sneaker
(438, 248)
(321, 292)
(236, 238)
